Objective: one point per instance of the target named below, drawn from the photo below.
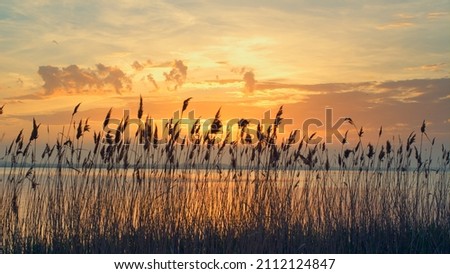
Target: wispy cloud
(406, 16)
(141, 65)
(437, 15)
(395, 25)
(430, 67)
(408, 20)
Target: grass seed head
(34, 133)
(75, 110)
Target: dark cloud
(73, 79)
(398, 106)
(176, 77)
(373, 94)
(422, 90)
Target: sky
(382, 63)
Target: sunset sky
(378, 62)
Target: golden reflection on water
(191, 201)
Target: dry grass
(197, 195)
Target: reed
(170, 191)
